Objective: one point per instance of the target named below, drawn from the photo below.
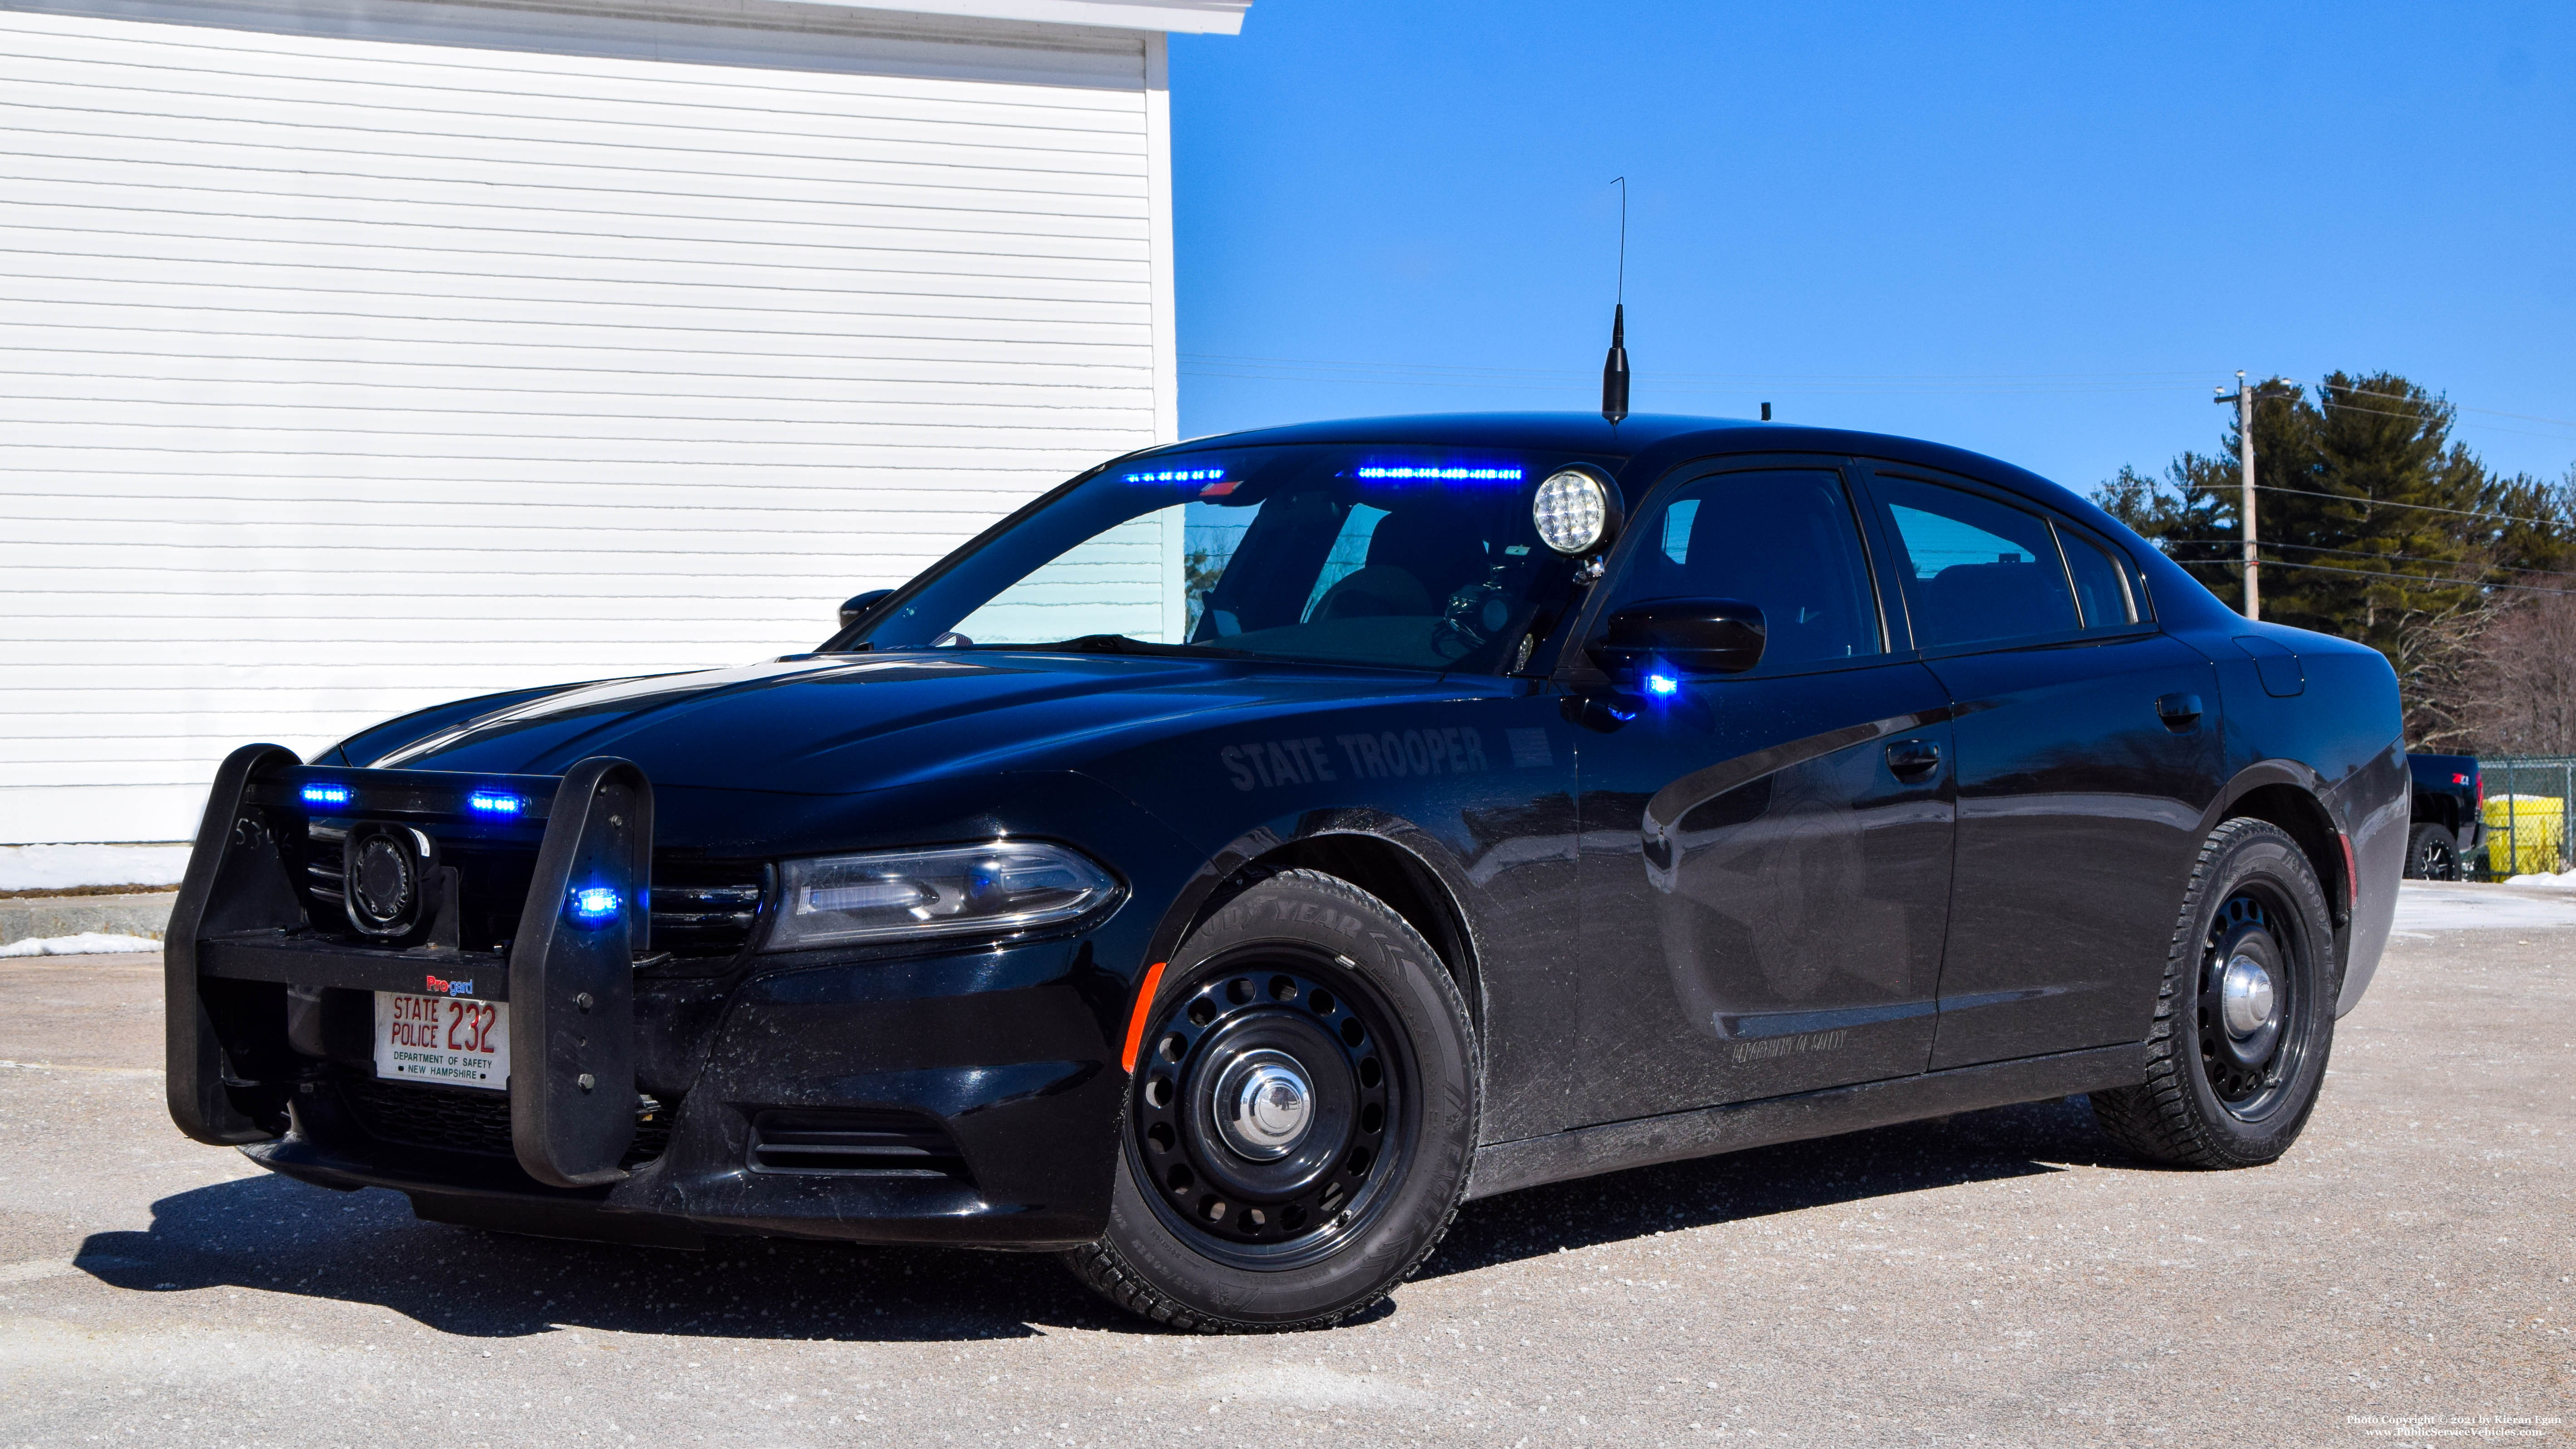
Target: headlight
(986, 889)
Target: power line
(1748, 377)
(2418, 558)
(1432, 374)
(2386, 503)
(2446, 402)
(2381, 574)
(2328, 405)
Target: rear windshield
(1410, 558)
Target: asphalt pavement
(1996, 1278)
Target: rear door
(2086, 752)
(1765, 861)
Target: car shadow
(281, 1236)
(1882, 1164)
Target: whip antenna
(1614, 368)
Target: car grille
(457, 1120)
(703, 908)
(700, 908)
(325, 876)
(853, 1144)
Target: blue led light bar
(1478, 475)
(1178, 475)
(322, 794)
(1662, 684)
(593, 905)
(494, 802)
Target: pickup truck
(2445, 825)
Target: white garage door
(340, 376)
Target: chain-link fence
(2530, 812)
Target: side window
(1784, 541)
(1977, 571)
(2101, 586)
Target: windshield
(1415, 558)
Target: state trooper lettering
(1390, 754)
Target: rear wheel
(2246, 1016)
(2432, 853)
(1300, 1120)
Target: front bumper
(965, 1093)
(999, 1055)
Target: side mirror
(859, 604)
(1694, 636)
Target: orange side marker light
(1136, 1020)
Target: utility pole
(2243, 397)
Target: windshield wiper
(1121, 644)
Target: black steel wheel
(1300, 1120)
(1271, 1107)
(2246, 1016)
(2253, 1029)
(2432, 853)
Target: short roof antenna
(1614, 368)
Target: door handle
(1913, 759)
(2179, 711)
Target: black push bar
(239, 927)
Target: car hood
(842, 723)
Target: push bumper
(962, 1098)
(967, 1100)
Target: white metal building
(361, 354)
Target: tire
(2432, 853)
(1225, 1219)
(2215, 1095)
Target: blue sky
(2039, 231)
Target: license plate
(451, 1040)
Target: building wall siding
(343, 375)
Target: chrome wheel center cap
(1264, 1104)
(2245, 997)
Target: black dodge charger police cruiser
(1241, 856)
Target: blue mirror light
(1661, 684)
(594, 905)
(322, 794)
(494, 802)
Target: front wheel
(1300, 1120)
(2246, 1015)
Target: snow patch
(2564, 881)
(2440, 906)
(87, 943)
(77, 867)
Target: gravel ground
(2403, 1277)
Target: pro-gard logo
(441, 986)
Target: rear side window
(2101, 586)
(1977, 571)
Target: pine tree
(2374, 525)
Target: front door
(1765, 857)
(2087, 752)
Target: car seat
(1418, 555)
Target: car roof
(1669, 437)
